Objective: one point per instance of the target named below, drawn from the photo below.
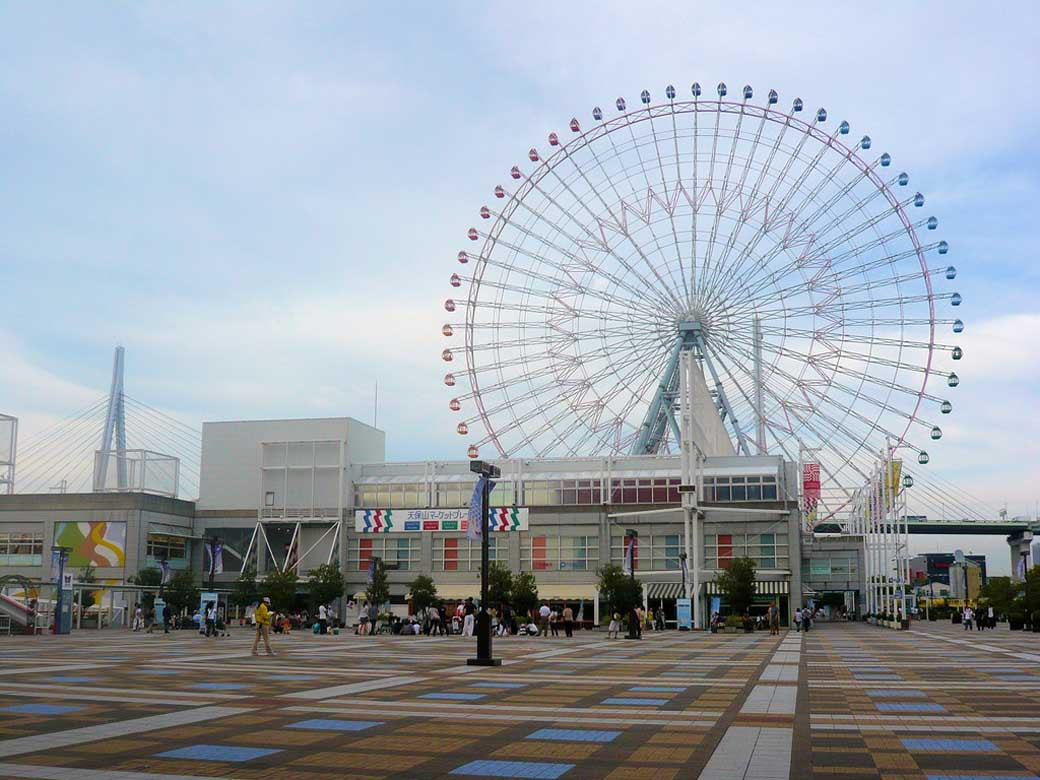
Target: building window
(562, 492)
(398, 551)
(645, 490)
(723, 489)
(659, 552)
(391, 495)
(768, 550)
(170, 548)
(453, 495)
(567, 553)
(21, 549)
(458, 553)
(839, 567)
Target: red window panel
(539, 559)
(451, 554)
(364, 554)
(725, 550)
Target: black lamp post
(633, 617)
(486, 471)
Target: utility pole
(487, 471)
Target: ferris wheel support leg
(741, 441)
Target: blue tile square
(40, 709)
(531, 769)
(941, 745)
(497, 685)
(890, 706)
(73, 679)
(574, 735)
(218, 753)
(657, 689)
(634, 701)
(332, 724)
(897, 692)
(213, 686)
(455, 696)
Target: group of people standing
(978, 618)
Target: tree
(326, 584)
(1031, 594)
(618, 589)
(245, 591)
(149, 576)
(737, 584)
(281, 587)
(424, 593)
(525, 592)
(378, 590)
(181, 592)
(1001, 594)
(87, 576)
(500, 585)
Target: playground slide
(16, 610)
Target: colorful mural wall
(97, 544)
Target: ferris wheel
(786, 254)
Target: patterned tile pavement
(844, 701)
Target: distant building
(936, 566)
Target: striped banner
(375, 521)
(504, 518)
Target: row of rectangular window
(564, 492)
(21, 549)
(171, 548)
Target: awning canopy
(762, 588)
(663, 590)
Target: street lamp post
(62, 604)
(630, 559)
(487, 471)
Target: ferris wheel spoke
(671, 212)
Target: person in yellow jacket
(263, 625)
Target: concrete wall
(230, 471)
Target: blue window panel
(218, 753)
(498, 685)
(40, 709)
(892, 706)
(513, 769)
(574, 735)
(220, 686)
(903, 694)
(657, 689)
(72, 679)
(332, 724)
(458, 696)
(635, 702)
(941, 745)
(291, 677)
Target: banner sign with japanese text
(389, 521)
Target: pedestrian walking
(554, 623)
(615, 626)
(774, 619)
(469, 610)
(807, 619)
(211, 619)
(373, 618)
(166, 615)
(263, 626)
(992, 620)
(640, 620)
(543, 619)
(568, 621)
(138, 618)
(435, 621)
(798, 620)
(323, 619)
(966, 616)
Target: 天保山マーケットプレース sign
(388, 521)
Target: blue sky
(263, 201)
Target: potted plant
(1016, 619)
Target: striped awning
(663, 590)
(762, 588)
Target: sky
(263, 201)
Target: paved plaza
(845, 701)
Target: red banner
(811, 482)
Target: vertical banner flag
(581, 611)
(810, 490)
(630, 554)
(474, 527)
(164, 567)
(893, 478)
(218, 558)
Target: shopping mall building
(299, 493)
